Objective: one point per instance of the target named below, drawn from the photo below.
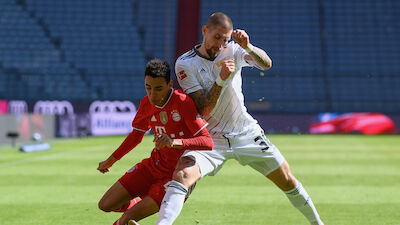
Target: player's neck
(166, 98)
(203, 52)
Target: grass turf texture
(352, 179)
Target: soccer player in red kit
(177, 127)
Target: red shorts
(140, 181)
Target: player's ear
(203, 29)
(170, 83)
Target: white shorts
(253, 150)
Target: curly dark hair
(158, 68)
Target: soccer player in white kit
(210, 74)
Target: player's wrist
(112, 159)
(219, 81)
(177, 143)
(249, 48)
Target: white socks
(176, 193)
(172, 203)
(302, 201)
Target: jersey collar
(169, 97)
(195, 49)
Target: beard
(212, 52)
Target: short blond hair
(219, 19)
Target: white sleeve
(239, 54)
(187, 79)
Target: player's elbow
(267, 64)
(205, 111)
(209, 143)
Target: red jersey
(178, 118)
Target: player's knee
(103, 206)
(186, 171)
(180, 175)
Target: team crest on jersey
(219, 63)
(163, 117)
(181, 75)
(175, 116)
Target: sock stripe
(178, 186)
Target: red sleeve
(202, 141)
(141, 120)
(133, 139)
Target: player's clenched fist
(162, 140)
(241, 37)
(228, 67)
(105, 165)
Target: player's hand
(162, 140)
(228, 67)
(241, 37)
(105, 165)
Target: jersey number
(263, 142)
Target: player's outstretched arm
(130, 142)
(105, 165)
(259, 56)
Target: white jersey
(195, 72)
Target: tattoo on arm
(205, 101)
(261, 58)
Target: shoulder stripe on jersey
(139, 129)
(200, 129)
(188, 55)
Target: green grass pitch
(352, 179)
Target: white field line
(47, 157)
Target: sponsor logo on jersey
(175, 116)
(163, 117)
(153, 119)
(160, 130)
(182, 75)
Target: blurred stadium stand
(328, 55)
(332, 55)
